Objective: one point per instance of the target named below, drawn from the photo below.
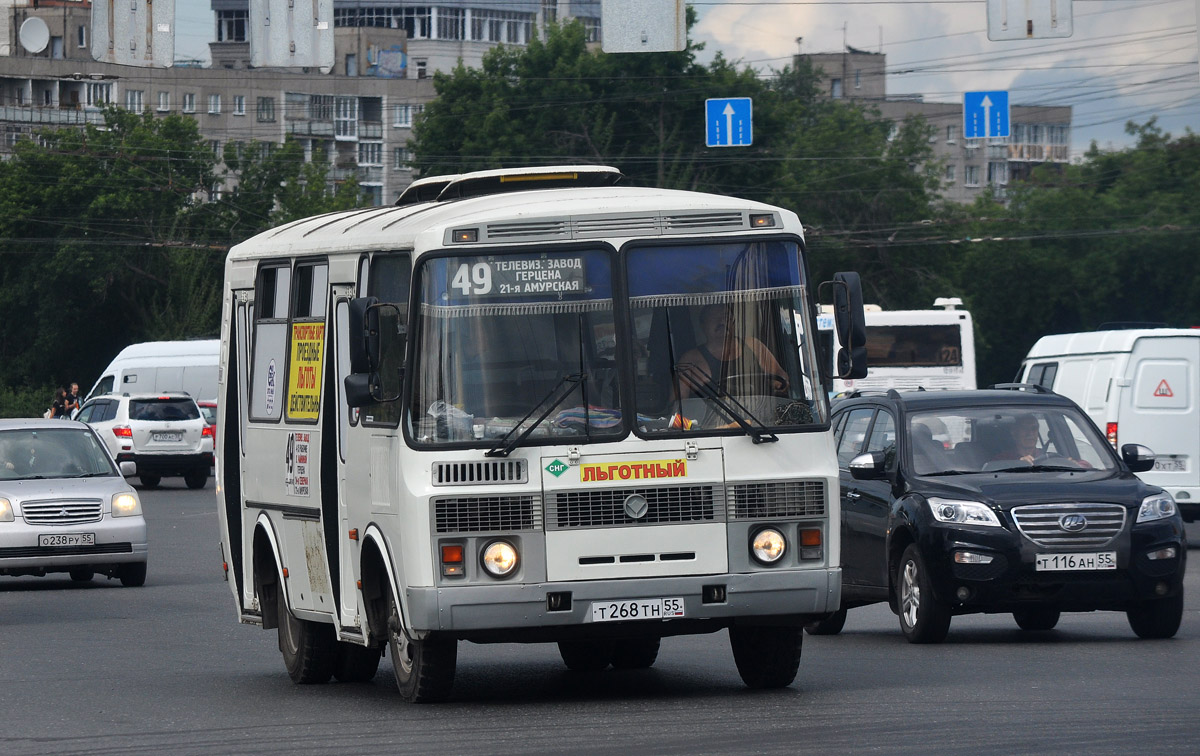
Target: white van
(161, 366)
(1139, 386)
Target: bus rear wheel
(356, 663)
(309, 648)
(424, 669)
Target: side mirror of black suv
(869, 466)
(1138, 457)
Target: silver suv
(164, 435)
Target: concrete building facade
(970, 167)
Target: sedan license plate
(637, 609)
(1170, 464)
(67, 539)
(1103, 560)
(167, 437)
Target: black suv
(1008, 500)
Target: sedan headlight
(1156, 507)
(6, 510)
(126, 505)
(962, 512)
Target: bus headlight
(768, 546)
(126, 505)
(500, 559)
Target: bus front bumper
(711, 602)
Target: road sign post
(985, 114)
(728, 122)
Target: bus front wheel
(424, 669)
(766, 657)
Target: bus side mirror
(364, 334)
(850, 323)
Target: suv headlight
(962, 512)
(1156, 507)
(126, 505)
(6, 510)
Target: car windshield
(52, 453)
(163, 409)
(1005, 439)
(509, 343)
(719, 339)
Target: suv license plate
(167, 437)
(1103, 560)
(67, 539)
(637, 609)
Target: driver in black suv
(955, 502)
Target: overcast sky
(1127, 59)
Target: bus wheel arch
(266, 576)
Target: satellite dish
(34, 35)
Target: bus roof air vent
(482, 183)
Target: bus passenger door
(349, 474)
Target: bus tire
(424, 669)
(355, 663)
(586, 655)
(309, 648)
(766, 657)
(635, 653)
(831, 625)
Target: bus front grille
(771, 500)
(607, 507)
(487, 514)
(480, 472)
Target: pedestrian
(73, 400)
(58, 408)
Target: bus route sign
(507, 277)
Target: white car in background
(163, 435)
(64, 505)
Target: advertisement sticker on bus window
(304, 376)
(517, 277)
(271, 373)
(295, 477)
(637, 470)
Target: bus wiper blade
(508, 442)
(758, 435)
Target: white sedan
(64, 505)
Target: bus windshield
(510, 342)
(716, 342)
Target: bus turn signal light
(810, 543)
(452, 559)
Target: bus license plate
(1104, 560)
(637, 609)
(67, 539)
(1170, 464)
(167, 437)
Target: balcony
(310, 128)
(370, 174)
(1039, 153)
(370, 130)
(51, 116)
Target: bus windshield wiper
(510, 442)
(758, 435)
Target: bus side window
(389, 280)
(269, 359)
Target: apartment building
(1039, 133)
(360, 114)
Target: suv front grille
(61, 512)
(1041, 523)
(487, 514)
(606, 507)
(794, 498)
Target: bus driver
(722, 356)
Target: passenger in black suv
(955, 502)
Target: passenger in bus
(722, 355)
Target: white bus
(907, 349)
(489, 414)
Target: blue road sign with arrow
(985, 114)
(728, 122)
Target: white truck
(1139, 386)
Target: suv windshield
(55, 453)
(504, 341)
(716, 339)
(163, 409)
(1016, 439)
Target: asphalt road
(99, 669)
